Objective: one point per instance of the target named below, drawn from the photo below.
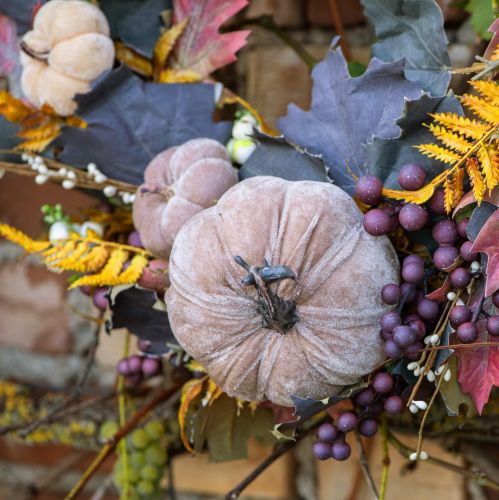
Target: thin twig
(279, 450)
(477, 476)
(386, 460)
(107, 449)
(364, 464)
(338, 26)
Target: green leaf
(482, 16)
(356, 68)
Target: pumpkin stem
(164, 191)
(277, 313)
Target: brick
(286, 13)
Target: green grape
(154, 429)
(107, 430)
(145, 488)
(133, 474)
(149, 472)
(140, 439)
(155, 455)
(138, 459)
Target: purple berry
(413, 258)
(135, 364)
(394, 405)
(413, 272)
(376, 409)
(390, 294)
(461, 227)
(341, 450)
(418, 327)
(133, 380)
(322, 450)
(436, 203)
(404, 335)
(377, 222)
(413, 352)
(390, 320)
(411, 177)
(466, 252)
(445, 232)
(392, 350)
(347, 421)
(327, 432)
(444, 257)
(368, 189)
(409, 290)
(122, 367)
(394, 219)
(383, 383)
(151, 367)
(459, 315)
(100, 298)
(428, 309)
(412, 217)
(460, 277)
(134, 240)
(144, 345)
(385, 335)
(493, 325)
(368, 427)
(495, 298)
(467, 333)
(365, 397)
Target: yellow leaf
(490, 90)
(13, 110)
(476, 179)
(37, 145)
(190, 391)
(482, 108)
(178, 76)
(419, 196)
(108, 276)
(48, 130)
(457, 186)
(448, 195)
(135, 61)
(134, 271)
(94, 260)
(451, 140)
(473, 129)
(213, 392)
(72, 261)
(487, 167)
(165, 44)
(23, 240)
(439, 153)
(61, 251)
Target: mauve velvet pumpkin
(316, 230)
(178, 183)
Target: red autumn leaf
(479, 368)
(469, 198)
(201, 48)
(491, 47)
(9, 51)
(440, 294)
(487, 242)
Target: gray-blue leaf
(131, 121)
(413, 29)
(385, 157)
(347, 112)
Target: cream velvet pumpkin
(67, 49)
(178, 183)
(323, 331)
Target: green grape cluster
(147, 456)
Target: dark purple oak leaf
(347, 112)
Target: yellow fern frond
(473, 129)
(135, 61)
(93, 260)
(489, 90)
(61, 251)
(134, 271)
(48, 130)
(19, 238)
(419, 196)
(450, 139)
(457, 186)
(448, 195)
(71, 262)
(482, 108)
(486, 167)
(477, 182)
(36, 145)
(165, 44)
(439, 153)
(109, 273)
(178, 76)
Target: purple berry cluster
(383, 395)
(137, 368)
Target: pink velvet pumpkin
(179, 182)
(265, 332)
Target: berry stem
(386, 460)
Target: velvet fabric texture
(67, 49)
(314, 228)
(179, 182)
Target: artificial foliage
(336, 275)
